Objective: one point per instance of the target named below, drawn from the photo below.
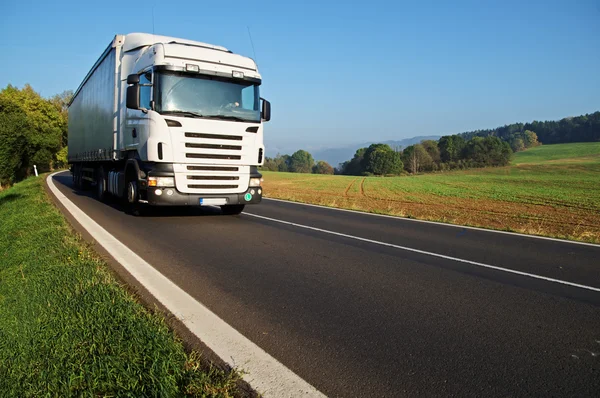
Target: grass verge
(66, 325)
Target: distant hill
(335, 156)
(584, 128)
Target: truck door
(136, 132)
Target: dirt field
(548, 191)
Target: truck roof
(137, 40)
(133, 41)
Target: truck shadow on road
(145, 211)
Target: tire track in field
(362, 187)
(507, 214)
(349, 186)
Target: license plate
(213, 201)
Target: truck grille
(212, 168)
(196, 186)
(212, 156)
(214, 146)
(215, 136)
(219, 178)
(216, 163)
(211, 179)
(211, 146)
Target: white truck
(163, 121)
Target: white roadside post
(35, 170)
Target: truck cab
(188, 125)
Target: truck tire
(77, 176)
(101, 184)
(232, 210)
(131, 199)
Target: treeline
(584, 128)
(299, 162)
(450, 152)
(33, 131)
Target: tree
(269, 164)
(416, 158)
(322, 167)
(384, 162)
(32, 132)
(517, 144)
(61, 157)
(283, 162)
(582, 128)
(451, 147)
(354, 166)
(488, 151)
(432, 149)
(61, 103)
(530, 139)
(301, 162)
(381, 159)
(14, 128)
(278, 163)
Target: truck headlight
(161, 181)
(255, 182)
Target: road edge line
(398, 218)
(261, 371)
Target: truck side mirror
(266, 110)
(133, 92)
(133, 97)
(133, 79)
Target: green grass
(550, 190)
(545, 153)
(67, 328)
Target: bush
(32, 130)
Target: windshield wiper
(184, 113)
(229, 117)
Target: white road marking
(264, 373)
(512, 271)
(364, 213)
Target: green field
(548, 190)
(67, 328)
(584, 151)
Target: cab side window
(145, 90)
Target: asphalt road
(359, 318)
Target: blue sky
(345, 73)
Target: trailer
(162, 121)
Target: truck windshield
(207, 96)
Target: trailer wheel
(101, 184)
(232, 210)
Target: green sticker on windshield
(248, 197)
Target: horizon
(357, 144)
(341, 76)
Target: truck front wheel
(132, 204)
(231, 210)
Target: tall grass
(67, 328)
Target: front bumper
(183, 199)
